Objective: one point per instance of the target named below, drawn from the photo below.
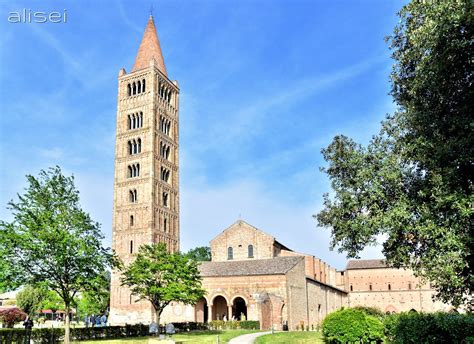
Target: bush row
(56, 335)
(427, 328)
(369, 326)
(234, 324)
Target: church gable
(242, 241)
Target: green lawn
(198, 337)
(291, 338)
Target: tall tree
(412, 184)
(52, 241)
(201, 253)
(161, 277)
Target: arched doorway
(201, 311)
(219, 308)
(239, 308)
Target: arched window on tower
(250, 251)
(389, 286)
(131, 220)
(131, 246)
(138, 170)
(165, 199)
(130, 148)
(230, 253)
(139, 148)
(134, 171)
(129, 123)
(139, 87)
(165, 225)
(129, 90)
(130, 172)
(352, 288)
(133, 196)
(134, 89)
(143, 85)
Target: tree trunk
(66, 328)
(158, 313)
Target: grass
(291, 337)
(198, 337)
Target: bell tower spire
(150, 49)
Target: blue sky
(264, 86)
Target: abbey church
(251, 275)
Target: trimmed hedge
(234, 324)
(413, 327)
(56, 335)
(352, 326)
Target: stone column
(229, 312)
(209, 313)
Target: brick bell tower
(146, 182)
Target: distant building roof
(365, 264)
(10, 295)
(273, 266)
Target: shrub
(250, 324)
(411, 327)
(373, 311)
(216, 324)
(189, 326)
(352, 325)
(244, 324)
(10, 316)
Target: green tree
(53, 302)
(201, 254)
(30, 299)
(412, 185)
(96, 301)
(52, 241)
(161, 277)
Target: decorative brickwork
(146, 200)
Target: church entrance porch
(219, 308)
(239, 309)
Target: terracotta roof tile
(150, 48)
(274, 266)
(365, 264)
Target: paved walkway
(247, 338)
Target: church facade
(251, 275)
